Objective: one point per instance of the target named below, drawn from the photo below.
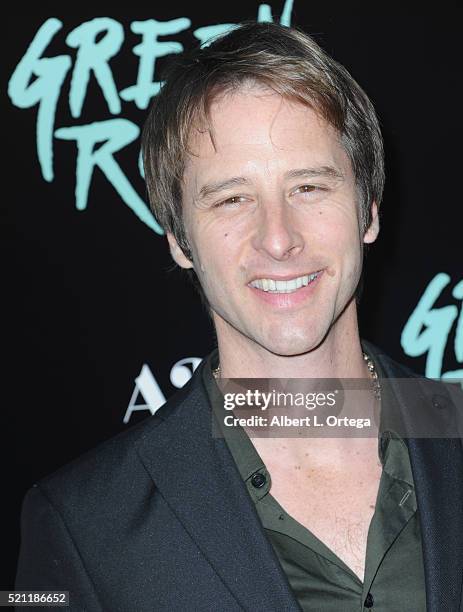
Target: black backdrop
(90, 304)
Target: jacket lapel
(199, 480)
(437, 466)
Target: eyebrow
(210, 189)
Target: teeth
(286, 286)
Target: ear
(373, 229)
(177, 254)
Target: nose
(277, 233)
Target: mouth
(288, 285)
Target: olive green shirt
(321, 581)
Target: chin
(289, 345)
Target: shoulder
(394, 369)
(113, 467)
(442, 398)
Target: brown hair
(288, 61)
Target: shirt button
(258, 480)
(369, 601)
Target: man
(264, 164)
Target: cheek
(217, 243)
(214, 257)
(338, 236)
(337, 231)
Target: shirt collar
(392, 450)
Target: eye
(306, 188)
(232, 202)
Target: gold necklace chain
(370, 366)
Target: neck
(337, 355)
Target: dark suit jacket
(159, 519)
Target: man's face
(274, 200)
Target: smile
(271, 285)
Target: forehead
(255, 123)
